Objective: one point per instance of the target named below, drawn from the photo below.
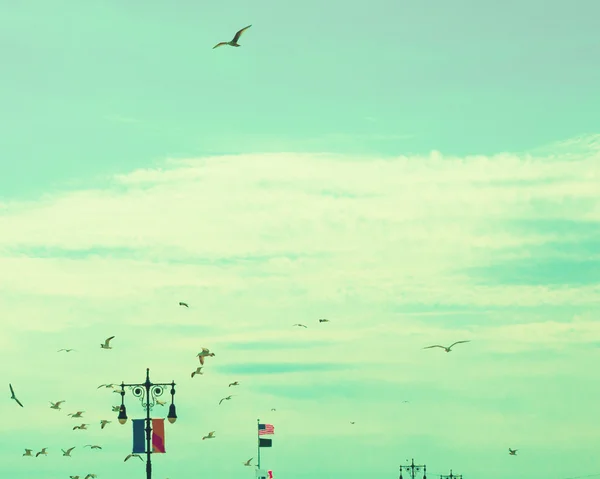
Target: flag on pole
(264, 429)
(158, 435)
(270, 473)
(265, 442)
(139, 441)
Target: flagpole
(258, 442)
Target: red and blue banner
(158, 435)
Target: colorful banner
(139, 439)
(158, 435)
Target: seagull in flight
(203, 354)
(323, 320)
(12, 395)
(103, 423)
(273, 409)
(68, 451)
(107, 386)
(161, 403)
(92, 446)
(106, 344)
(447, 349)
(211, 435)
(28, 452)
(181, 303)
(351, 422)
(43, 451)
(197, 371)
(76, 414)
(56, 405)
(234, 42)
(66, 350)
(83, 426)
(234, 383)
(225, 399)
(512, 452)
(90, 476)
(247, 463)
(116, 408)
(301, 325)
(129, 456)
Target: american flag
(264, 429)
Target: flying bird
(76, 414)
(68, 451)
(90, 476)
(234, 42)
(447, 349)
(106, 344)
(211, 435)
(103, 423)
(74, 477)
(129, 456)
(234, 383)
(12, 395)
(92, 446)
(512, 452)
(181, 303)
(323, 320)
(203, 354)
(43, 451)
(28, 452)
(273, 409)
(107, 386)
(351, 422)
(83, 426)
(301, 325)
(56, 405)
(116, 408)
(225, 399)
(161, 403)
(118, 390)
(247, 463)
(197, 371)
(66, 350)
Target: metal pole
(258, 442)
(147, 385)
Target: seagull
(512, 452)
(235, 383)
(43, 451)
(301, 325)
(89, 475)
(116, 408)
(56, 405)
(103, 423)
(107, 386)
(197, 371)
(323, 320)
(181, 303)
(447, 349)
(92, 447)
(76, 414)
(12, 395)
(204, 353)
(234, 42)
(119, 390)
(351, 422)
(273, 409)
(129, 456)
(211, 435)
(68, 451)
(74, 477)
(28, 452)
(106, 343)
(247, 463)
(224, 399)
(161, 403)
(67, 350)
(83, 426)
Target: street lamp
(147, 392)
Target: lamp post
(147, 392)
(451, 476)
(412, 468)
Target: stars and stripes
(264, 429)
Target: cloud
(399, 253)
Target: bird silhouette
(56, 405)
(323, 320)
(301, 325)
(211, 435)
(129, 456)
(225, 399)
(234, 383)
(107, 386)
(247, 463)
(76, 414)
(28, 452)
(234, 42)
(83, 426)
(181, 303)
(92, 446)
(106, 344)
(66, 350)
(12, 395)
(197, 371)
(43, 451)
(116, 408)
(68, 451)
(90, 476)
(103, 423)
(203, 354)
(161, 403)
(512, 452)
(447, 349)
(74, 477)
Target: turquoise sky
(418, 173)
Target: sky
(418, 173)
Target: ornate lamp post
(147, 392)
(451, 476)
(412, 468)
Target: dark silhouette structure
(414, 468)
(451, 476)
